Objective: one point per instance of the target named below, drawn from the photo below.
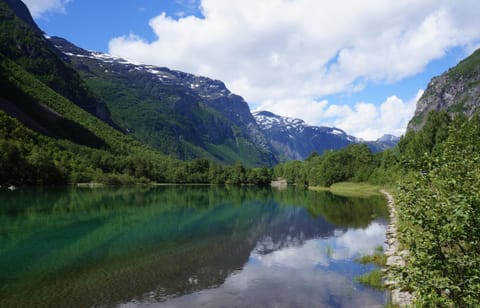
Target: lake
(186, 246)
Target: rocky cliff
(456, 91)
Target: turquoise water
(186, 247)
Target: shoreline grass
(378, 257)
(375, 277)
(372, 279)
(351, 189)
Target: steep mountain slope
(455, 91)
(178, 113)
(293, 139)
(21, 10)
(22, 42)
(78, 146)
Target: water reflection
(299, 273)
(313, 252)
(185, 246)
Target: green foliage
(467, 66)
(439, 209)
(28, 158)
(29, 162)
(414, 145)
(438, 167)
(45, 94)
(353, 163)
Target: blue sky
(356, 65)
(92, 24)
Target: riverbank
(395, 256)
(394, 253)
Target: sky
(359, 65)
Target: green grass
(350, 189)
(378, 258)
(372, 279)
(375, 277)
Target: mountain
(23, 42)
(22, 12)
(31, 70)
(455, 91)
(293, 139)
(178, 113)
(383, 143)
(107, 115)
(53, 128)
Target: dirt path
(395, 257)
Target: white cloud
(368, 121)
(360, 242)
(279, 52)
(39, 7)
(352, 243)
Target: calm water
(186, 247)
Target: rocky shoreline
(395, 257)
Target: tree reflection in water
(185, 246)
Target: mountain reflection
(176, 245)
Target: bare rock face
(456, 91)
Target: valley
(182, 169)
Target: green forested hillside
(28, 158)
(26, 46)
(180, 114)
(93, 151)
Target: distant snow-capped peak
(267, 119)
(388, 138)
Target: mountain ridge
(294, 139)
(189, 115)
(214, 94)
